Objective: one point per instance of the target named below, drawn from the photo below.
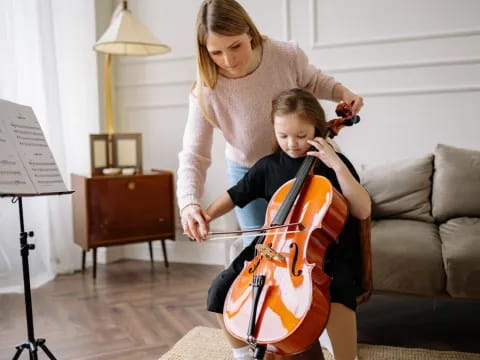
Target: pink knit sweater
(241, 108)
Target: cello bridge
(269, 253)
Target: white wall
(417, 64)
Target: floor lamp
(124, 36)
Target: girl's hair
(223, 17)
(303, 104)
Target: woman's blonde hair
(303, 104)
(223, 17)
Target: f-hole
(294, 262)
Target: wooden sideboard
(116, 210)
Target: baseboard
(36, 280)
(182, 250)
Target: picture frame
(99, 153)
(127, 151)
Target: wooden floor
(135, 312)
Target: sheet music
(27, 165)
(13, 176)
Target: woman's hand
(341, 93)
(195, 222)
(326, 153)
(354, 100)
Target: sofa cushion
(401, 190)
(456, 183)
(460, 240)
(407, 258)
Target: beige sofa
(425, 235)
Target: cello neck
(300, 177)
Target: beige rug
(207, 343)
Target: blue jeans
(251, 216)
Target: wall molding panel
(420, 91)
(404, 65)
(396, 39)
(317, 44)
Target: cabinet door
(129, 209)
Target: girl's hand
(326, 153)
(195, 222)
(354, 100)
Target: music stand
(28, 169)
(31, 344)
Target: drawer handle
(131, 186)
(161, 219)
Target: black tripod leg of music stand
(18, 353)
(41, 343)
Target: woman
(239, 73)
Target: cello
(280, 301)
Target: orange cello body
(294, 304)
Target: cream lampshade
(124, 36)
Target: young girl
(299, 124)
(237, 70)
